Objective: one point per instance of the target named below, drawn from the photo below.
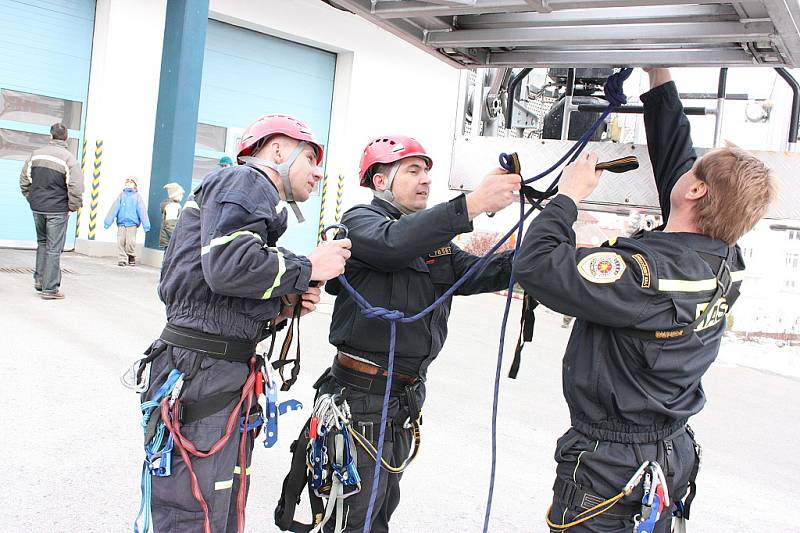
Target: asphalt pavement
(72, 451)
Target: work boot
(58, 295)
(131, 260)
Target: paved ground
(71, 451)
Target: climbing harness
(163, 415)
(615, 97)
(338, 478)
(316, 458)
(654, 501)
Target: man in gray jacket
(52, 182)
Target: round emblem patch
(602, 267)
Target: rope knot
(380, 312)
(613, 87)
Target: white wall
(123, 96)
(383, 85)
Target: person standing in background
(129, 212)
(52, 182)
(170, 210)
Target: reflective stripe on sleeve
(278, 276)
(222, 241)
(683, 285)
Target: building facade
(98, 66)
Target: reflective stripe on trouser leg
(234, 490)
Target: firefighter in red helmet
(403, 258)
(293, 182)
(226, 284)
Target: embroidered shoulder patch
(439, 252)
(602, 267)
(645, 268)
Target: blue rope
(613, 91)
(616, 97)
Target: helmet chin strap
(283, 171)
(387, 195)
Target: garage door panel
(64, 7)
(291, 85)
(258, 104)
(254, 46)
(54, 48)
(45, 50)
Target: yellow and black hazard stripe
(98, 162)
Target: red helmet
(389, 149)
(276, 124)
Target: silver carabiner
(129, 377)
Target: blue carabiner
(348, 474)
(646, 522)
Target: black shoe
(122, 263)
(131, 260)
(37, 287)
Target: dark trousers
(603, 468)
(366, 412)
(174, 508)
(51, 232)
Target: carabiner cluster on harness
(137, 377)
(330, 458)
(655, 499)
(327, 421)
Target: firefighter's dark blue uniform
(402, 262)
(221, 281)
(630, 396)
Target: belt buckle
(362, 428)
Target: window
(38, 109)
(18, 145)
(210, 137)
(792, 260)
(202, 167)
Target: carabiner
(338, 227)
(130, 378)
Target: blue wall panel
(247, 74)
(45, 48)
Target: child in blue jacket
(130, 213)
